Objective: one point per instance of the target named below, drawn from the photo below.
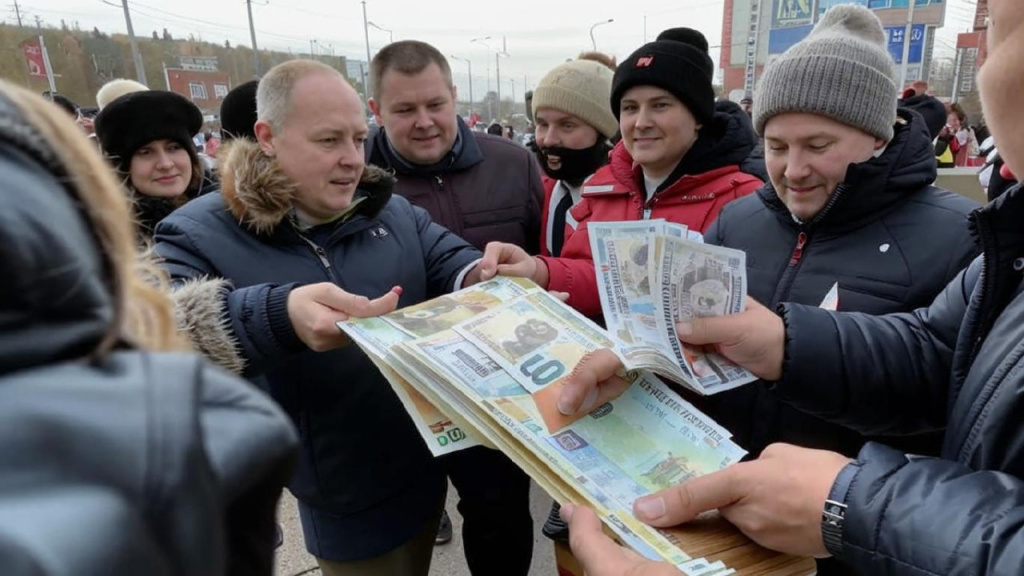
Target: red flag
(34, 55)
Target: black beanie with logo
(677, 62)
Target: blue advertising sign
(896, 37)
(781, 39)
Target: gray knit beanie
(842, 71)
(581, 88)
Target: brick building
(199, 80)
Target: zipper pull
(798, 251)
(322, 254)
(439, 180)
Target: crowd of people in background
(144, 246)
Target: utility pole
(366, 34)
(908, 33)
(252, 35)
(17, 12)
(46, 56)
(140, 70)
(469, 64)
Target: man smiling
(484, 188)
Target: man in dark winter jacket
(850, 205)
(299, 238)
(485, 189)
(956, 364)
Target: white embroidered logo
(884, 248)
(379, 232)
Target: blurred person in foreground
(123, 453)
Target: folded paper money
(484, 365)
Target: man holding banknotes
(954, 364)
(851, 207)
(304, 235)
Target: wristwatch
(833, 516)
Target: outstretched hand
(316, 309)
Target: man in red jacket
(682, 158)
(575, 125)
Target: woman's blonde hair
(143, 312)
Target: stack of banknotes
(485, 365)
(652, 274)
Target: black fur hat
(238, 112)
(136, 119)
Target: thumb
(592, 382)
(360, 306)
(489, 262)
(721, 329)
(589, 543)
(684, 502)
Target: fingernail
(568, 400)
(397, 290)
(650, 508)
(566, 512)
(684, 328)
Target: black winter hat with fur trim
(136, 119)
(677, 62)
(238, 112)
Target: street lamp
(469, 63)
(391, 35)
(603, 22)
(497, 66)
(482, 41)
(366, 35)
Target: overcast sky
(539, 34)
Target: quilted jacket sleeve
(445, 255)
(879, 375)
(241, 329)
(924, 516)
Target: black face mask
(577, 164)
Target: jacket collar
(906, 166)
(465, 154)
(726, 141)
(261, 196)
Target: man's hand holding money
(511, 260)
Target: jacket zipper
(321, 254)
(789, 275)
(648, 207)
(981, 327)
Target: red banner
(34, 56)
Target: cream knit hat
(581, 88)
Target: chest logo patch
(379, 232)
(884, 248)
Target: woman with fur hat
(147, 135)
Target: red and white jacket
(615, 193)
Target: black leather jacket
(958, 363)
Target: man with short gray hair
(302, 236)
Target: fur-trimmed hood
(260, 195)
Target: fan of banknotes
(652, 274)
(485, 365)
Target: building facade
(198, 79)
(756, 31)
